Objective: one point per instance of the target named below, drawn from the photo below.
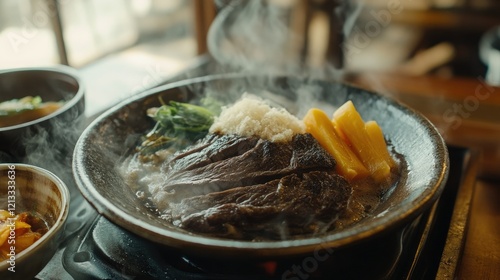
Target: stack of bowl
(34, 158)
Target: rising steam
(258, 36)
(250, 35)
(52, 148)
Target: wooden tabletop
(481, 255)
(467, 113)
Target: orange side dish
(19, 232)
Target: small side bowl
(57, 83)
(37, 191)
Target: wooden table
(467, 113)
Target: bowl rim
(64, 70)
(264, 248)
(61, 218)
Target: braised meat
(253, 189)
(292, 205)
(223, 162)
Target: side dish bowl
(40, 193)
(113, 136)
(57, 83)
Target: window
(26, 34)
(78, 32)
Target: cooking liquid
(145, 177)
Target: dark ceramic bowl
(39, 191)
(113, 136)
(57, 83)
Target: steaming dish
(29, 108)
(250, 171)
(19, 232)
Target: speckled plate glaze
(113, 136)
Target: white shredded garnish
(252, 116)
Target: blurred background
(418, 37)
(79, 32)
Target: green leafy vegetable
(177, 124)
(16, 106)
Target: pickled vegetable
(19, 232)
(320, 126)
(350, 122)
(377, 138)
